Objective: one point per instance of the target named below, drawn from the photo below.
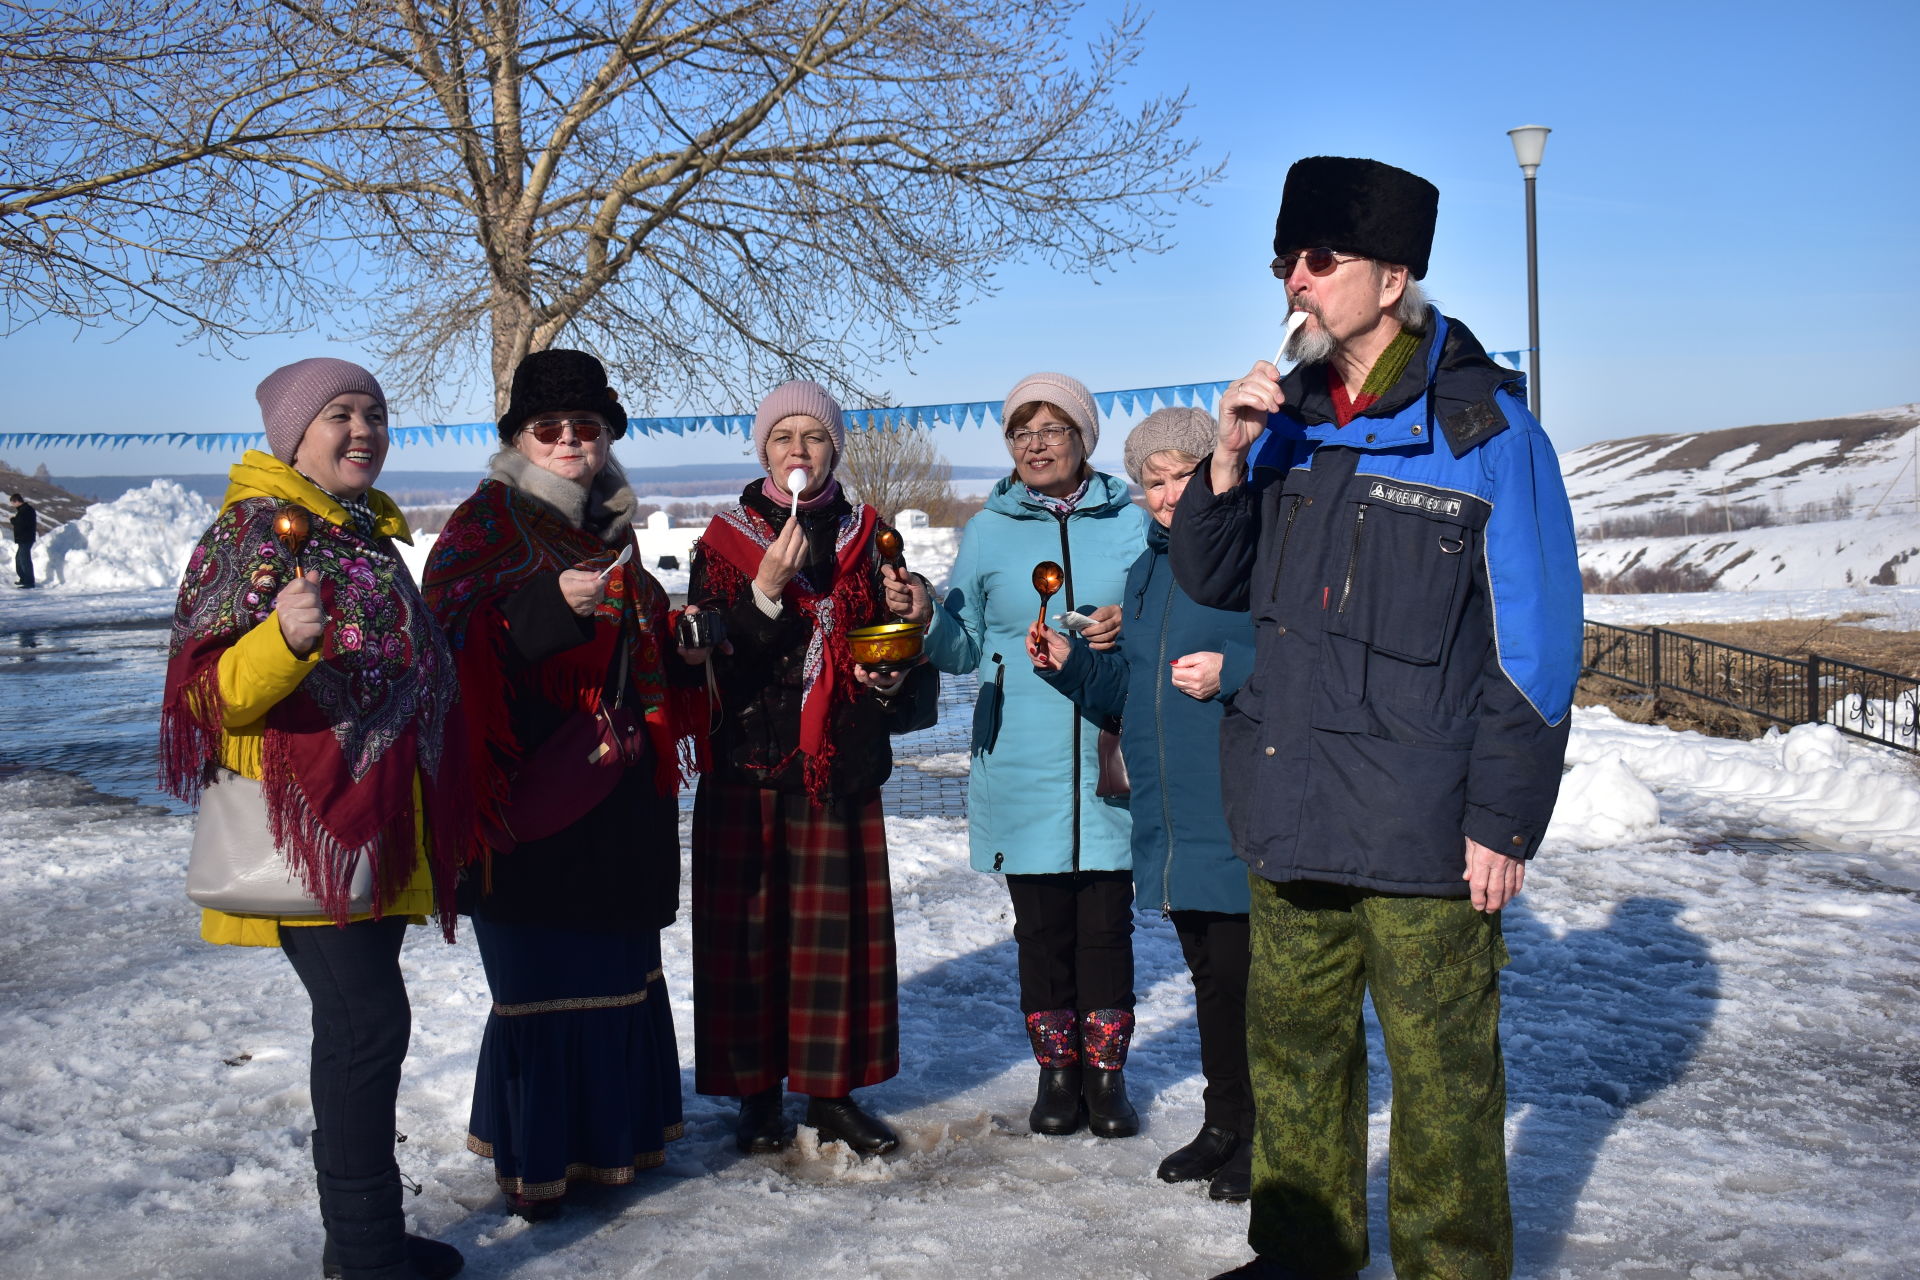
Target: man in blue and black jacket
(1403, 541)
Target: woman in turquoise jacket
(1031, 807)
(1176, 665)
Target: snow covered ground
(1712, 1055)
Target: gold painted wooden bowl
(887, 647)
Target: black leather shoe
(1109, 1114)
(1233, 1181)
(1201, 1157)
(762, 1129)
(1059, 1108)
(842, 1119)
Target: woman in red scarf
(793, 956)
(563, 656)
(315, 670)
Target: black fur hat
(1358, 206)
(560, 379)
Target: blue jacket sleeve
(1096, 681)
(1216, 538)
(1531, 579)
(959, 624)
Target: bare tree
(893, 469)
(710, 194)
(123, 192)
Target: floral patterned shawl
(341, 753)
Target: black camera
(701, 630)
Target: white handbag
(235, 867)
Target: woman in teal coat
(1175, 667)
(1031, 807)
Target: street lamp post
(1529, 143)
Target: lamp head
(1529, 144)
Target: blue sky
(1727, 216)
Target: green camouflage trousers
(1432, 967)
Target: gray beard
(1311, 346)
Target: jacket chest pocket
(1405, 574)
(1294, 507)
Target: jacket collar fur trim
(604, 510)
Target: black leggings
(361, 1025)
(1074, 932)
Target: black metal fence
(1877, 705)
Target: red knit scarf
(735, 542)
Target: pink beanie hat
(1062, 392)
(791, 399)
(291, 397)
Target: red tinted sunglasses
(549, 430)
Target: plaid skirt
(793, 957)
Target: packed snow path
(1710, 1046)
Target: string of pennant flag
(974, 413)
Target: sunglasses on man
(1319, 262)
(549, 430)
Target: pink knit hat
(1062, 392)
(291, 397)
(794, 398)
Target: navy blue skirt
(579, 1076)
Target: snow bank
(1812, 780)
(1602, 803)
(140, 539)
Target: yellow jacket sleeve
(257, 671)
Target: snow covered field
(1712, 1053)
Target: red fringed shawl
(340, 754)
(735, 542)
(495, 543)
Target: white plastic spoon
(1294, 322)
(797, 482)
(626, 554)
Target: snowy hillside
(1880, 551)
(1859, 473)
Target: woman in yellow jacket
(312, 665)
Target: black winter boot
(1109, 1113)
(1055, 1036)
(842, 1118)
(368, 1231)
(1105, 1035)
(762, 1129)
(1058, 1109)
(431, 1258)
